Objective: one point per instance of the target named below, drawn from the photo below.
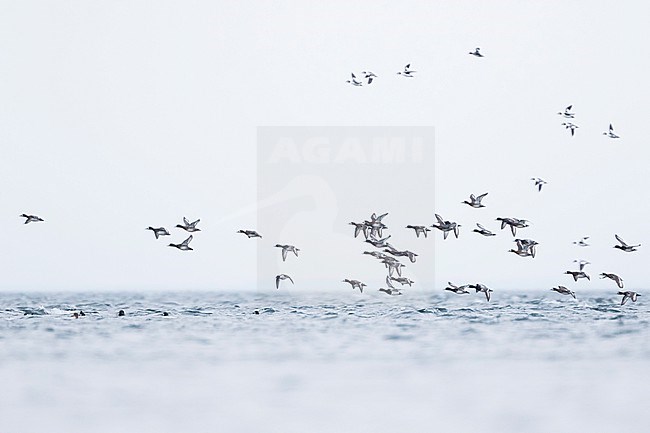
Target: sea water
(314, 362)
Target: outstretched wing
(440, 220)
(284, 254)
(187, 241)
(388, 282)
(277, 281)
(618, 238)
(185, 221)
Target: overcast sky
(118, 115)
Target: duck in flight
(618, 280)
(185, 245)
(250, 233)
(286, 249)
(539, 182)
(376, 254)
(610, 132)
(354, 81)
(571, 126)
(378, 243)
(475, 201)
(481, 288)
(411, 255)
(160, 231)
(625, 247)
(525, 248)
(514, 223)
(577, 275)
(567, 113)
(31, 218)
(476, 52)
(582, 242)
(188, 226)
(375, 225)
(369, 76)
(483, 231)
(456, 289)
(419, 230)
(281, 277)
(446, 227)
(402, 280)
(408, 72)
(393, 266)
(628, 295)
(360, 228)
(392, 292)
(582, 263)
(355, 284)
(564, 291)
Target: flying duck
(582, 242)
(618, 280)
(481, 288)
(458, 290)
(625, 247)
(628, 295)
(354, 81)
(476, 53)
(286, 249)
(160, 231)
(408, 72)
(571, 126)
(281, 277)
(475, 202)
(250, 233)
(355, 284)
(185, 245)
(564, 291)
(483, 231)
(360, 228)
(446, 227)
(31, 218)
(567, 113)
(539, 182)
(419, 230)
(610, 132)
(577, 275)
(188, 226)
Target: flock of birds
(374, 228)
(407, 72)
(388, 255)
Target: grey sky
(120, 115)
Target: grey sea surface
(528, 361)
